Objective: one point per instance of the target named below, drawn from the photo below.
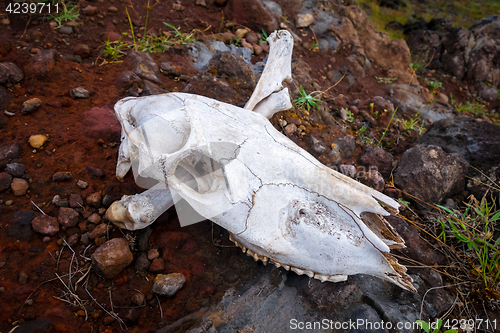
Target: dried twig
(38, 207)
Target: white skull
(233, 167)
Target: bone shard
(278, 69)
(233, 167)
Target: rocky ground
(59, 138)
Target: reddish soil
(192, 250)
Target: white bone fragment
(233, 167)
(278, 70)
(134, 212)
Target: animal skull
(233, 167)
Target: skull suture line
(233, 167)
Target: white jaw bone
(233, 167)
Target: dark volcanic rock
(374, 179)
(489, 26)
(233, 67)
(61, 176)
(20, 226)
(427, 47)
(206, 85)
(8, 152)
(457, 44)
(377, 157)
(9, 72)
(31, 105)
(5, 97)
(95, 172)
(475, 141)
(346, 145)
(144, 66)
(393, 4)
(416, 248)
(473, 54)
(430, 173)
(152, 89)
(15, 169)
(142, 263)
(479, 183)
(5, 181)
(42, 325)
(252, 14)
(484, 60)
(128, 79)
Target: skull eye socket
(200, 172)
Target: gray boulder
(431, 174)
(475, 141)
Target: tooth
(298, 271)
(321, 277)
(337, 278)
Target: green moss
(463, 13)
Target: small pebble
(73, 240)
(46, 239)
(38, 140)
(108, 320)
(23, 278)
(153, 254)
(139, 299)
(2, 289)
(168, 285)
(5, 181)
(9, 202)
(94, 218)
(19, 186)
(94, 200)
(61, 176)
(75, 201)
(81, 184)
(29, 302)
(90, 10)
(85, 239)
(65, 30)
(95, 172)
(157, 266)
(79, 92)
(15, 169)
(31, 105)
(100, 231)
